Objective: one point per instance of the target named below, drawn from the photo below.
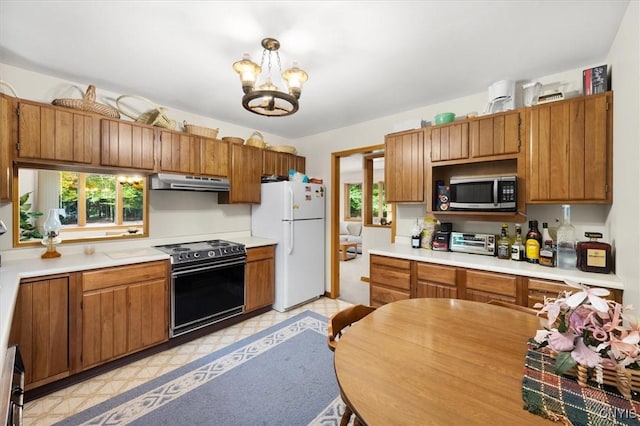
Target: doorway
(337, 214)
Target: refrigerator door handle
(290, 203)
(290, 248)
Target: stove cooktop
(202, 250)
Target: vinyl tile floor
(56, 406)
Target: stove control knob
(196, 255)
(211, 253)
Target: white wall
(624, 218)
(619, 222)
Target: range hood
(168, 181)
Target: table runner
(562, 399)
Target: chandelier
(268, 99)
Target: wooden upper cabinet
(244, 175)
(7, 138)
(54, 133)
(450, 142)
(193, 155)
(127, 145)
(297, 163)
(275, 163)
(494, 135)
(404, 167)
(279, 163)
(570, 150)
(179, 153)
(215, 157)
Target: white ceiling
(365, 59)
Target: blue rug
(280, 376)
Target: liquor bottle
(547, 252)
(504, 243)
(517, 245)
(566, 237)
(593, 255)
(416, 232)
(533, 243)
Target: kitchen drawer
(492, 283)
(123, 275)
(391, 262)
(436, 273)
(390, 277)
(382, 295)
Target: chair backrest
(504, 304)
(342, 320)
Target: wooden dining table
(437, 362)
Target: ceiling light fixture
(268, 99)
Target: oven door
(203, 294)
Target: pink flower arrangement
(584, 328)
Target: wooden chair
(504, 304)
(338, 323)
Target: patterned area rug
(280, 376)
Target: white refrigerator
(292, 213)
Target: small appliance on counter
(442, 237)
(473, 243)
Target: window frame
(347, 202)
(368, 161)
(104, 232)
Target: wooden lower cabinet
(124, 310)
(40, 328)
(436, 281)
(390, 279)
(394, 279)
(538, 289)
(260, 278)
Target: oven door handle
(208, 267)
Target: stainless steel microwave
(483, 193)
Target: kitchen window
(96, 205)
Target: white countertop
(493, 264)
(11, 271)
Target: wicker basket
(153, 117)
(283, 148)
(10, 87)
(256, 140)
(232, 139)
(88, 103)
(624, 379)
(201, 131)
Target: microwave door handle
(496, 183)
